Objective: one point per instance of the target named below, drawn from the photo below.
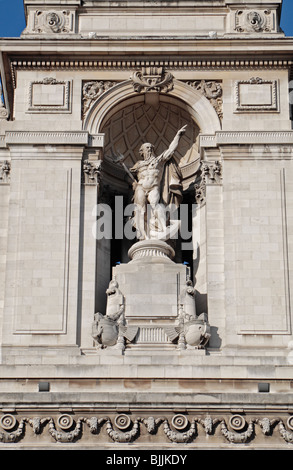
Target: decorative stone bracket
(210, 173)
(152, 79)
(92, 172)
(4, 114)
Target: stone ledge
(46, 138)
(246, 138)
(120, 370)
(145, 400)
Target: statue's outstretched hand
(182, 130)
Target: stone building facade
(88, 82)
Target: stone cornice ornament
(123, 428)
(152, 79)
(49, 64)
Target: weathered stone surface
(86, 83)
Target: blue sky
(12, 21)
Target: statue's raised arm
(174, 144)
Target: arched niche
(114, 98)
(128, 119)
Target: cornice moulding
(232, 42)
(46, 138)
(246, 138)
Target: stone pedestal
(151, 283)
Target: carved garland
(67, 429)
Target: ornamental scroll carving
(53, 21)
(91, 91)
(254, 21)
(212, 90)
(152, 79)
(124, 428)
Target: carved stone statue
(192, 330)
(158, 181)
(110, 329)
(187, 310)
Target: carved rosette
(253, 21)
(53, 21)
